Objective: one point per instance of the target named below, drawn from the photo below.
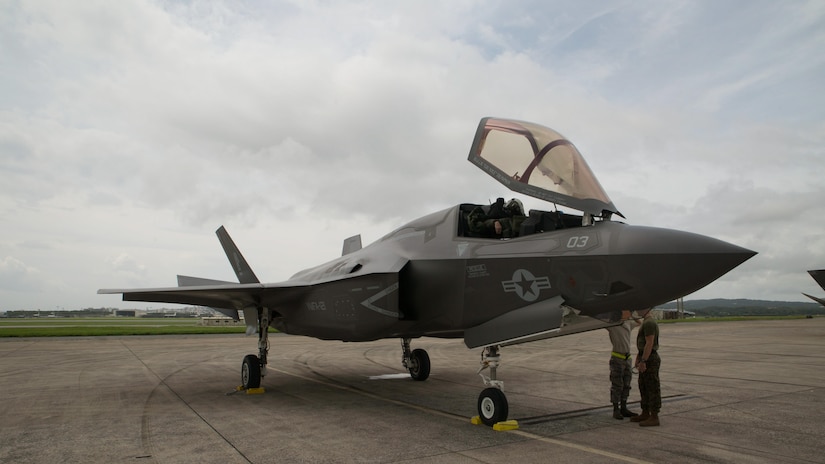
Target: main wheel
(492, 406)
(419, 364)
(251, 372)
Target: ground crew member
(647, 363)
(621, 367)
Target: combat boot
(643, 417)
(627, 412)
(652, 421)
(617, 413)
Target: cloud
(16, 276)
(130, 130)
(127, 264)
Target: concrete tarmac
(733, 392)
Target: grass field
(92, 326)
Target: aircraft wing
(219, 294)
(227, 296)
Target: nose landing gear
(492, 403)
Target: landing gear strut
(416, 361)
(253, 368)
(492, 404)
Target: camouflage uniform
(483, 225)
(621, 364)
(510, 216)
(649, 388)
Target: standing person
(621, 367)
(647, 363)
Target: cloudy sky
(130, 130)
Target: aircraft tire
(420, 366)
(492, 406)
(251, 372)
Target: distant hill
(742, 307)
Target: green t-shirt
(649, 327)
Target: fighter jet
(493, 275)
(819, 277)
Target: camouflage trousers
(620, 377)
(649, 388)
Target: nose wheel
(492, 406)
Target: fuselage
(426, 278)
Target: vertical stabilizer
(236, 259)
(351, 244)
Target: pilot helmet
(514, 206)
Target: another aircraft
(445, 275)
(819, 277)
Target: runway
(734, 392)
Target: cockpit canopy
(538, 161)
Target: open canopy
(539, 162)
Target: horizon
(196, 308)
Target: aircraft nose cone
(678, 245)
(650, 266)
(676, 263)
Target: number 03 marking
(578, 242)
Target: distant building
(672, 313)
(125, 313)
(213, 321)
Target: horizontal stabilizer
(515, 327)
(250, 313)
(818, 300)
(351, 244)
(189, 281)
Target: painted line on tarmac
(588, 411)
(587, 449)
(522, 433)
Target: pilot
(501, 221)
(515, 210)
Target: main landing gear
(253, 368)
(492, 404)
(416, 361)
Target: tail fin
(351, 244)
(236, 259)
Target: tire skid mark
(161, 385)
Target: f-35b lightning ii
(456, 274)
